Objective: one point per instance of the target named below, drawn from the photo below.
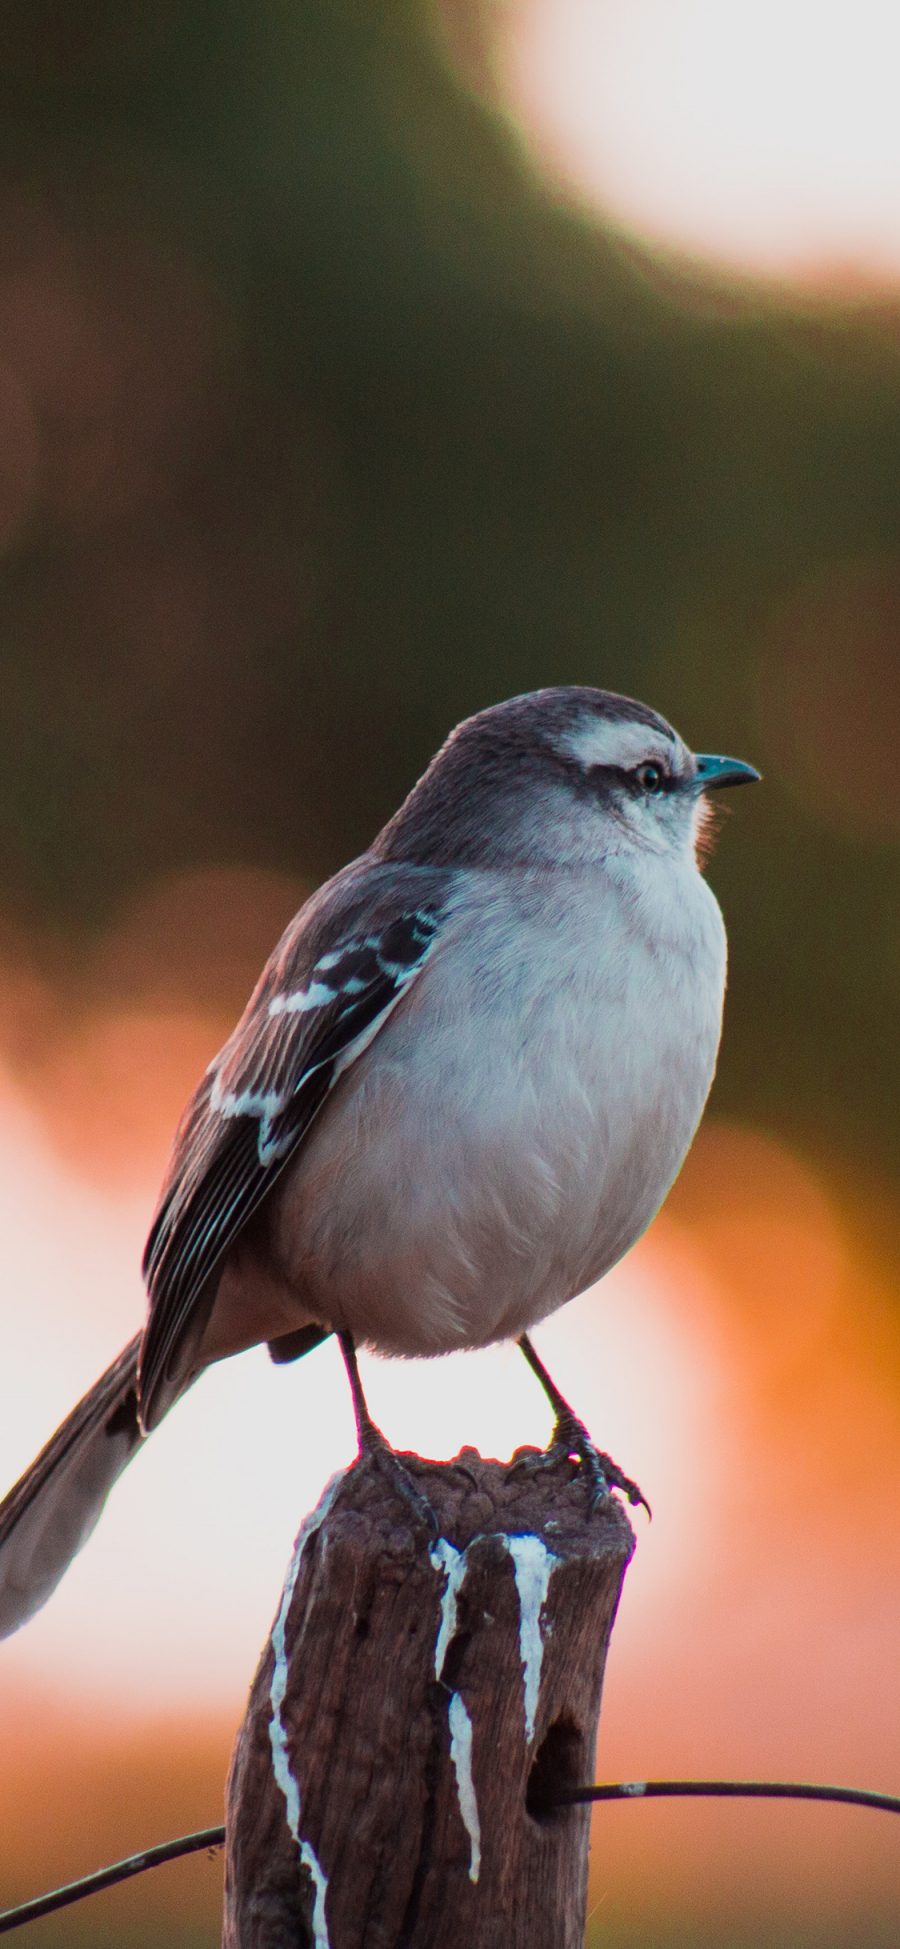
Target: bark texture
(413, 1712)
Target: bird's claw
(385, 1458)
(570, 1442)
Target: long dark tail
(53, 1507)
(50, 1512)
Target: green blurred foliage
(326, 425)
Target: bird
(463, 1085)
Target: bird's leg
(570, 1441)
(367, 1435)
(374, 1445)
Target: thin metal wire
(213, 1837)
(889, 1803)
(74, 1891)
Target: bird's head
(564, 776)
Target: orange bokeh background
(743, 1364)
(358, 367)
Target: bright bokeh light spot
(763, 135)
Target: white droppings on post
(281, 1764)
(320, 1883)
(533, 1565)
(451, 1563)
(461, 1758)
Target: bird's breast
(517, 1122)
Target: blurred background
(360, 366)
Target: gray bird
(459, 1093)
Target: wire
(74, 1891)
(889, 1803)
(214, 1837)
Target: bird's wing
(336, 976)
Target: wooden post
(416, 1707)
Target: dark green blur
(344, 429)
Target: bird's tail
(53, 1507)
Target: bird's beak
(712, 772)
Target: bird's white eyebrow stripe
(614, 742)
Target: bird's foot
(570, 1442)
(375, 1447)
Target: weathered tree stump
(415, 1710)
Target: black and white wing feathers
(338, 973)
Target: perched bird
(460, 1091)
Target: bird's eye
(650, 777)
